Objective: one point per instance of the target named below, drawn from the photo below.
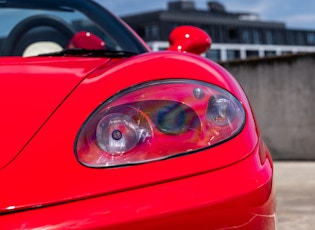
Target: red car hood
(31, 89)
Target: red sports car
(98, 132)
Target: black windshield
(26, 23)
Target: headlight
(158, 120)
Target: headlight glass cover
(158, 120)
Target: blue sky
(297, 14)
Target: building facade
(235, 35)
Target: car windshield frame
(119, 32)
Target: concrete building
(235, 35)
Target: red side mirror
(86, 40)
(189, 39)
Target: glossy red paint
(86, 40)
(189, 39)
(62, 179)
(238, 196)
(32, 91)
(95, 89)
(49, 99)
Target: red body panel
(239, 196)
(227, 178)
(31, 89)
(51, 150)
(60, 104)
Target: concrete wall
(282, 93)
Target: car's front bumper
(239, 196)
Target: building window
(270, 53)
(211, 32)
(152, 32)
(233, 34)
(246, 36)
(172, 26)
(257, 37)
(311, 38)
(300, 38)
(214, 54)
(291, 38)
(269, 37)
(252, 53)
(280, 37)
(233, 54)
(286, 52)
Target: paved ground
(295, 189)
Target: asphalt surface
(295, 192)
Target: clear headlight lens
(158, 120)
(117, 133)
(221, 110)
